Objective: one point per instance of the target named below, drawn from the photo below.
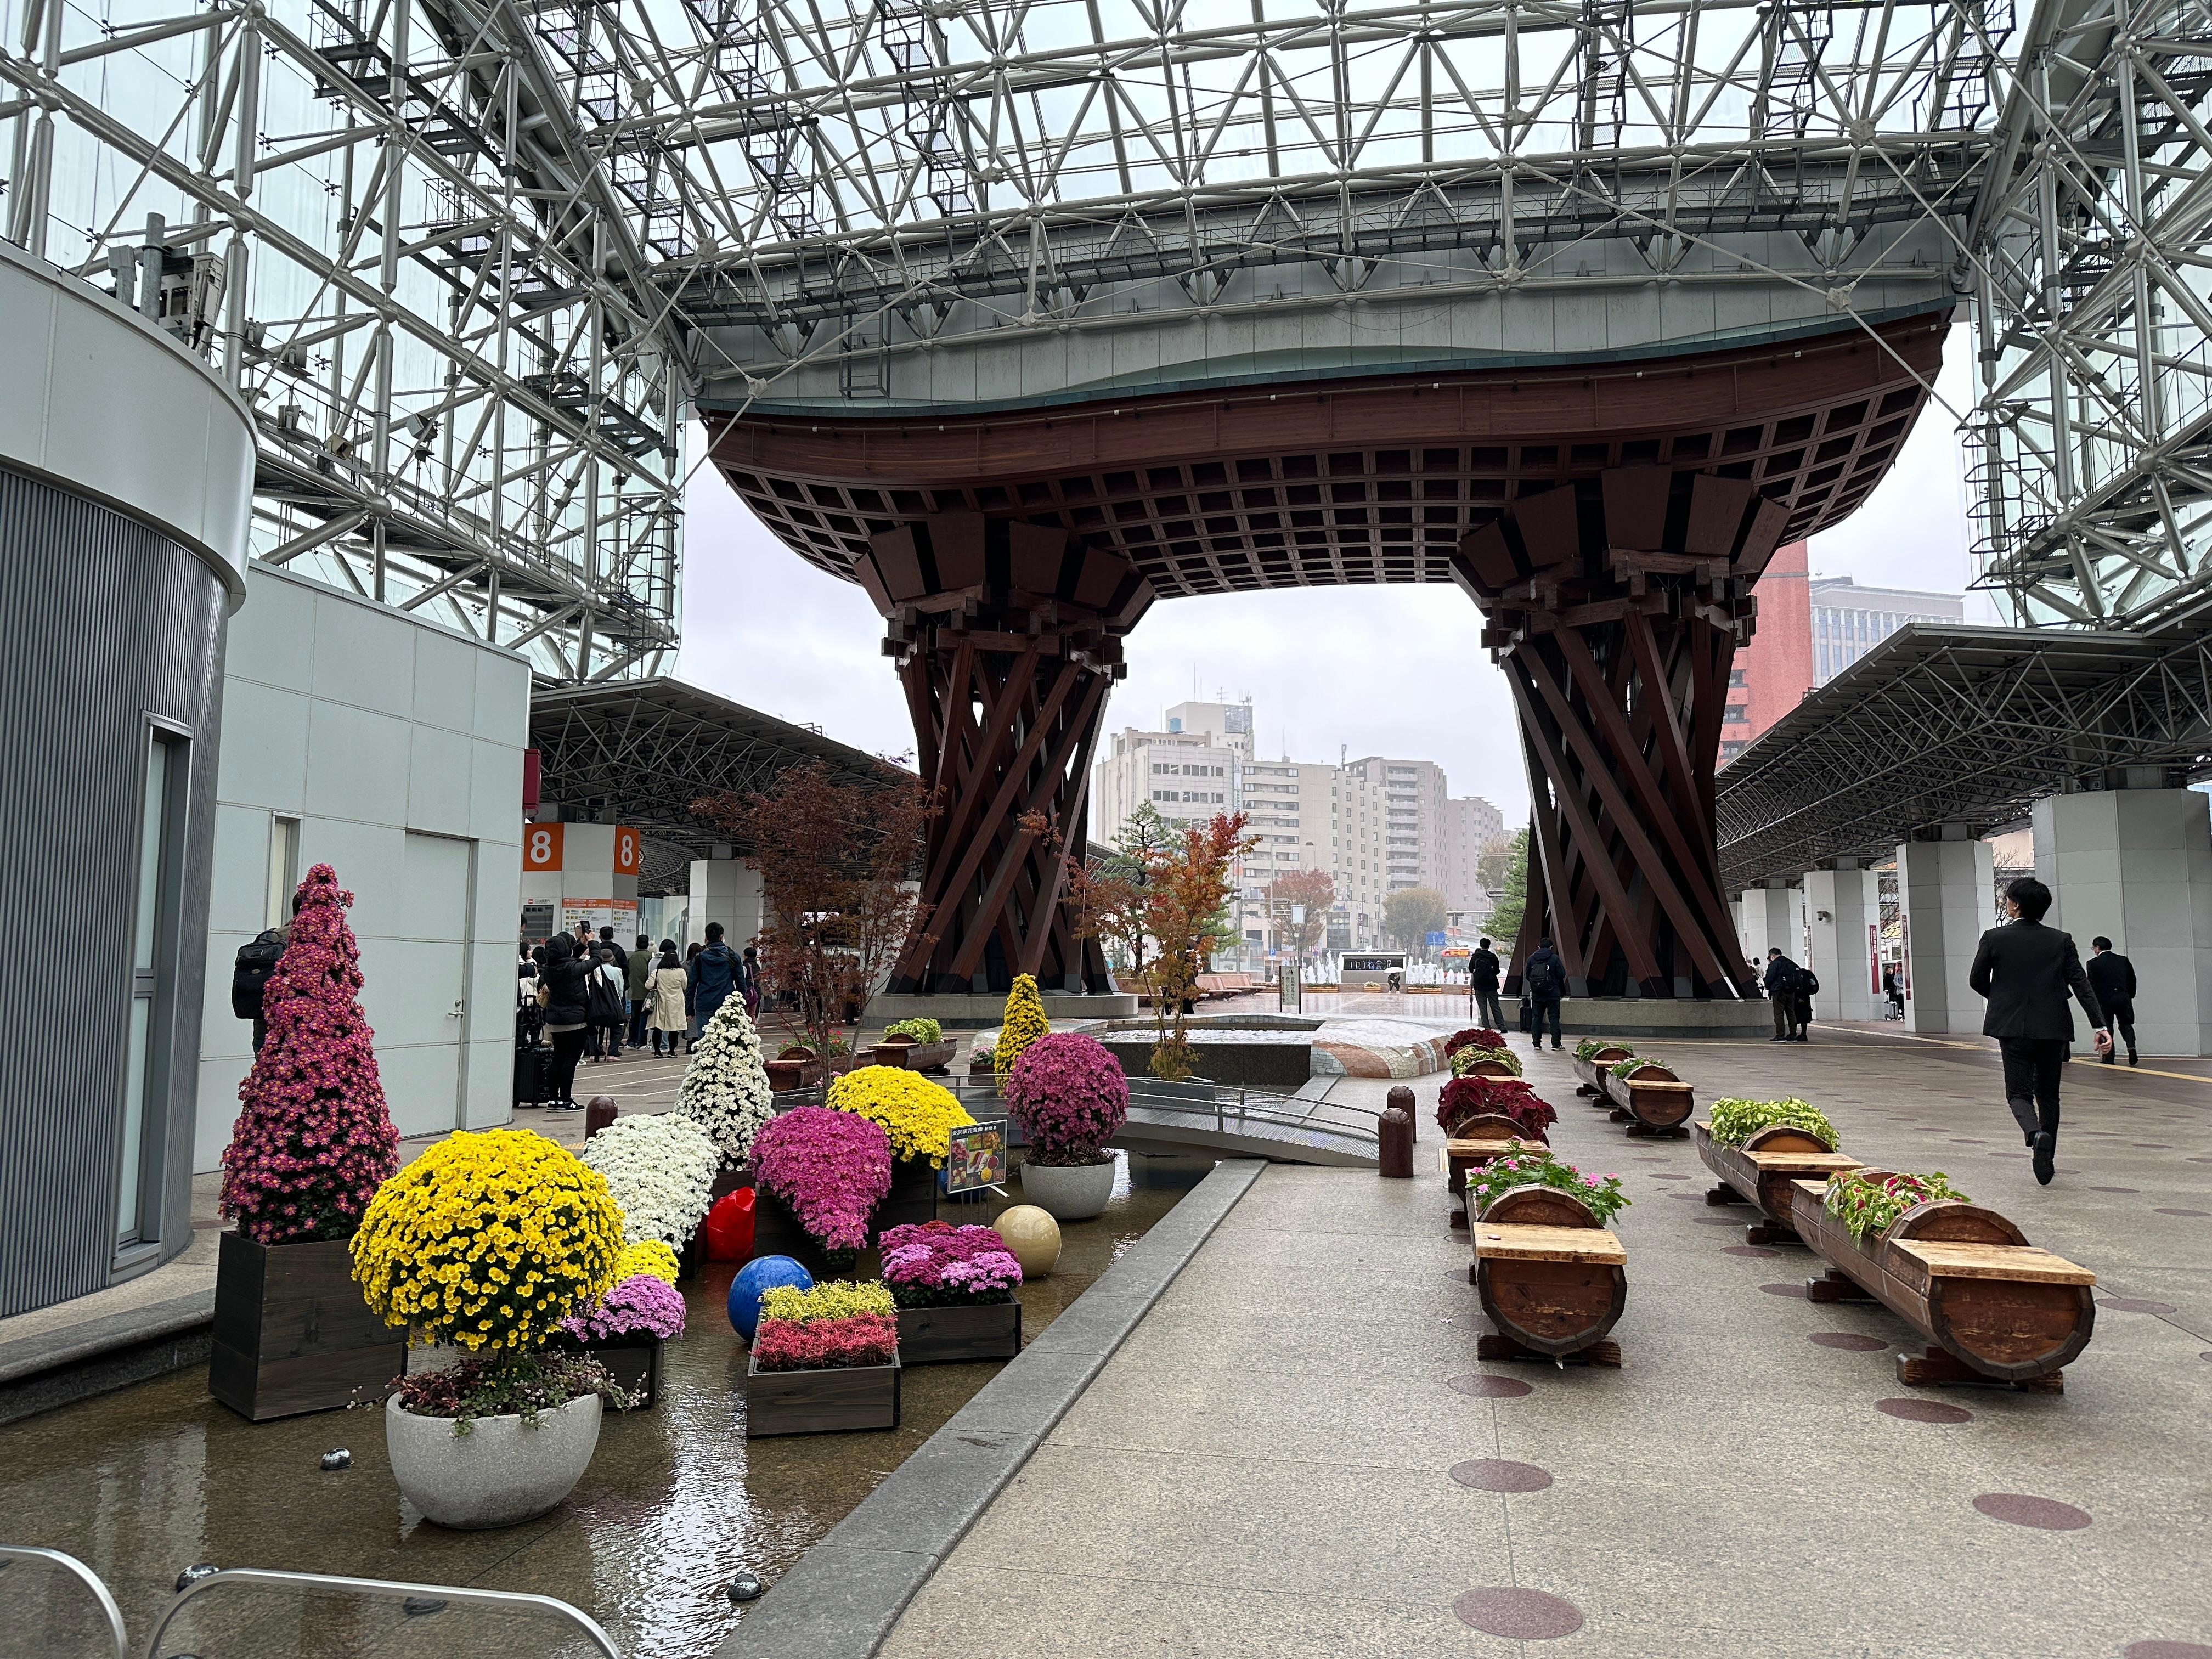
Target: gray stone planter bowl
(497, 1474)
(1069, 1192)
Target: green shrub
(1623, 1069)
(1464, 1061)
(1735, 1121)
(921, 1030)
(1526, 1165)
(1589, 1047)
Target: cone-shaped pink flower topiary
(315, 1140)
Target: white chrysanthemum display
(726, 1089)
(661, 1169)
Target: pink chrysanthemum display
(1069, 1096)
(938, 1265)
(640, 1305)
(315, 1140)
(831, 1169)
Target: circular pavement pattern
(2166, 1650)
(2137, 1304)
(1924, 1411)
(1850, 1341)
(1752, 1250)
(1484, 1387)
(2023, 1509)
(1497, 1475)
(1797, 1290)
(1520, 1615)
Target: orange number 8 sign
(541, 847)
(625, 852)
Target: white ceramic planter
(498, 1473)
(1069, 1192)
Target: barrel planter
(914, 1056)
(1488, 1068)
(1551, 1280)
(1764, 1171)
(1591, 1071)
(1475, 1140)
(836, 1401)
(1996, 1309)
(968, 1331)
(292, 1334)
(1651, 1100)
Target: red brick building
(1774, 670)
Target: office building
(1848, 619)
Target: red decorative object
(729, 1227)
(315, 1139)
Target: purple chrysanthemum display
(938, 1265)
(1069, 1096)
(830, 1168)
(640, 1305)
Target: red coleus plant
(1464, 1097)
(315, 1140)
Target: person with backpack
(1544, 979)
(1808, 987)
(753, 982)
(252, 969)
(567, 1001)
(1782, 991)
(714, 972)
(1482, 975)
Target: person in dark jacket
(1482, 967)
(2112, 977)
(1545, 977)
(753, 982)
(714, 972)
(1782, 991)
(567, 1017)
(2025, 971)
(641, 989)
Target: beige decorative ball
(1033, 1236)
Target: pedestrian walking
(1780, 983)
(2112, 977)
(1544, 977)
(641, 966)
(1892, 995)
(753, 982)
(610, 1005)
(1482, 975)
(713, 974)
(566, 999)
(691, 997)
(2025, 971)
(668, 986)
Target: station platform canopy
(1954, 724)
(642, 752)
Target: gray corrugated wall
(104, 621)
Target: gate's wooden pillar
(1008, 637)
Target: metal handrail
(388, 1589)
(90, 1579)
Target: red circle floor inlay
(2166, 1650)
(1850, 1340)
(1521, 1615)
(1483, 1386)
(1924, 1411)
(2195, 1213)
(2137, 1304)
(1498, 1474)
(2023, 1509)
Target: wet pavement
(141, 1484)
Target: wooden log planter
(1651, 1100)
(937, 1336)
(1592, 1071)
(1997, 1310)
(1762, 1172)
(835, 1401)
(1475, 1141)
(1488, 1068)
(914, 1056)
(1551, 1280)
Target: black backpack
(1808, 983)
(251, 972)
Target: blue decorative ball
(754, 1280)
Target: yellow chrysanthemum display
(1024, 1024)
(918, 1115)
(648, 1255)
(488, 1241)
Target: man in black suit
(2114, 978)
(2027, 970)
(1781, 992)
(1482, 979)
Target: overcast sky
(1366, 671)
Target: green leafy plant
(921, 1030)
(1866, 1201)
(1524, 1165)
(1735, 1121)
(1466, 1060)
(1590, 1048)
(1624, 1069)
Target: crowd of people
(586, 999)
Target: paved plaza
(1296, 1452)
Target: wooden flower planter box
(1763, 1171)
(785, 1075)
(634, 1362)
(938, 1336)
(1475, 1141)
(838, 1400)
(915, 1056)
(1551, 1280)
(1996, 1309)
(292, 1334)
(1592, 1071)
(1653, 1102)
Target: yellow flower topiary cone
(1024, 1024)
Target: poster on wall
(620, 914)
(978, 1157)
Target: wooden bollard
(599, 1115)
(1403, 1099)
(1393, 1144)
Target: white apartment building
(1187, 775)
(1292, 807)
(1471, 823)
(1390, 835)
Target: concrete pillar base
(1946, 900)
(726, 891)
(1843, 909)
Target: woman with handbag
(667, 984)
